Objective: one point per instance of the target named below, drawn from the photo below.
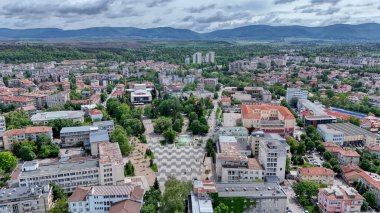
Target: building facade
(36, 199)
(339, 199)
(74, 172)
(72, 136)
(31, 133)
(272, 156)
(352, 135)
(317, 175)
(259, 196)
(45, 117)
(100, 199)
(3, 125)
(296, 93)
(268, 118)
(57, 99)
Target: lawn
(236, 205)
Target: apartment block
(111, 165)
(17, 101)
(232, 163)
(3, 125)
(272, 156)
(259, 94)
(96, 138)
(104, 199)
(38, 98)
(105, 125)
(339, 199)
(197, 58)
(45, 117)
(36, 199)
(71, 136)
(317, 175)
(296, 93)
(210, 57)
(268, 118)
(11, 136)
(240, 133)
(344, 155)
(257, 136)
(57, 99)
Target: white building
(57, 99)
(296, 93)
(352, 135)
(101, 199)
(140, 94)
(187, 60)
(3, 126)
(331, 135)
(36, 199)
(72, 136)
(45, 117)
(105, 125)
(197, 58)
(74, 172)
(272, 156)
(232, 163)
(210, 57)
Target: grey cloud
(321, 12)
(283, 1)
(200, 8)
(156, 3)
(222, 16)
(155, 21)
(188, 18)
(359, 5)
(58, 8)
(329, 11)
(325, 1)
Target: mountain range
(337, 32)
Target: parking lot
(315, 158)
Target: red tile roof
(96, 112)
(79, 194)
(248, 111)
(374, 148)
(29, 130)
(316, 171)
(15, 99)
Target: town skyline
(200, 16)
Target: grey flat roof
(57, 115)
(227, 139)
(99, 136)
(203, 205)
(103, 123)
(250, 190)
(317, 110)
(233, 131)
(61, 167)
(19, 193)
(349, 129)
(78, 129)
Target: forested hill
(339, 32)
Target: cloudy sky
(198, 15)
